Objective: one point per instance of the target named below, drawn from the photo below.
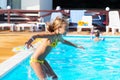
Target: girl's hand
(28, 45)
(81, 47)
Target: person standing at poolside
(51, 38)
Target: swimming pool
(99, 61)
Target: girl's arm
(102, 38)
(71, 44)
(43, 35)
(91, 35)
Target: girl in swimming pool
(50, 40)
(97, 36)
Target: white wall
(36, 4)
(46, 4)
(3, 4)
(30, 4)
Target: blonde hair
(58, 22)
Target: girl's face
(62, 29)
(60, 26)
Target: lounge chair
(40, 26)
(9, 25)
(22, 26)
(75, 16)
(114, 22)
(88, 21)
(54, 15)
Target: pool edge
(9, 64)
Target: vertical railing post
(8, 16)
(8, 13)
(107, 18)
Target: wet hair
(58, 22)
(97, 33)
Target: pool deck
(10, 63)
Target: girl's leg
(38, 70)
(37, 67)
(50, 72)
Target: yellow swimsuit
(35, 60)
(53, 44)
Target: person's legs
(49, 71)
(38, 70)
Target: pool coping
(109, 36)
(9, 64)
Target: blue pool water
(99, 61)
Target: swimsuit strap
(35, 60)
